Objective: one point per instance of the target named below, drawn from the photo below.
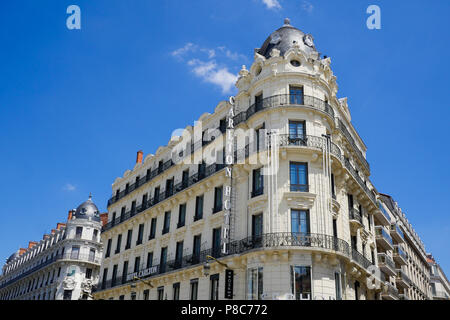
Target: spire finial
(90, 196)
(287, 21)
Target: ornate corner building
(293, 216)
(64, 265)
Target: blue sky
(76, 105)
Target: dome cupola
(87, 210)
(285, 38)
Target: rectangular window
(182, 215)
(67, 295)
(218, 192)
(333, 188)
(75, 253)
(163, 260)
(124, 271)
(114, 276)
(146, 294)
(144, 202)
(140, 234)
(156, 197)
(95, 235)
(160, 293)
(258, 183)
(137, 262)
(301, 282)
(166, 226)
(299, 177)
(129, 236)
(105, 274)
(179, 255)
(185, 179)
(258, 102)
(337, 283)
(88, 273)
(176, 291)
(92, 255)
(152, 229)
(257, 225)
(194, 289)
(300, 221)
(297, 133)
(119, 243)
(122, 214)
(198, 208)
(216, 240)
(296, 95)
(169, 187)
(201, 170)
(149, 260)
(108, 248)
(133, 208)
(255, 284)
(196, 248)
(78, 233)
(214, 287)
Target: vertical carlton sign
(229, 159)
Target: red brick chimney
(140, 156)
(104, 218)
(22, 251)
(60, 225)
(45, 236)
(53, 231)
(31, 244)
(69, 217)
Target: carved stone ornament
(86, 285)
(68, 283)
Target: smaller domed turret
(87, 210)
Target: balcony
(386, 264)
(389, 292)
(383, 239)
(403, 296)
(402, 279)
(396, 233)
(355, 218)
(400, 257)
(270, 240)
(382, 215)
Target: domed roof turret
(285, 38)
(87, 210)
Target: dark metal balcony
(400, 257)
(299, 188)
(382, 215)
(383, 239)
(386, 264)
(402, 279)
(271, 240)
(389, 292)
(355, 218)
(396, 233)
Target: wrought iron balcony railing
(350, 139)
(66, 256)
(353, 214)
(270, 240)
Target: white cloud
(210, 72)
(307, 6)
(69, 187)
(272, 4)
(210, 64)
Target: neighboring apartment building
(401, 255)
(64, 265)
(440, 287)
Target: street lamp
(207, 266)
(135, 278)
